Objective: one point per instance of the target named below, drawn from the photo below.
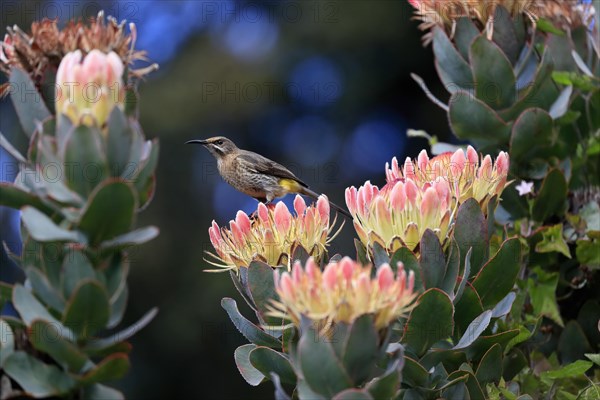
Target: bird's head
(218, 146)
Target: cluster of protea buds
(342, 292)
(273, 234)
(467, 175)
(423, 195)
(88, 89)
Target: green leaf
(88, 309)
(46, 337)
(475, 329)
(42, 229)
(488, 370)
(552, 197)
(542, 294)
(498, 276)
(242, 360)
(380, 255)
(101, 392)
(513, 363)
(7, 342)
(534, 125)
(43, 288)
(113, 367)
(452, 268)
(408, 258)
(480, 346)
(267, 360)
(472, 119)
(27, 101)
(545, 25)
(14, 197)
(553, 241)
(119, 139)
(470, 232)
(572, 344)
(320, 367)
(573, 370)
(594, 357)
(466, 310)
(30, 308)
(453, 70)
(144, 182)
(6, 145)
(432, 261)
(353, 394)
(361, 349)
(137, 237)
(561, 105)
(464, 278)
(464, 35)
(115, 198)
(588, 317)
(504, 306)
(84, 159)
(76, 267)
(385, 386)
(101, 344)
(413, 373)
(36, 378)
(429, 322)
(495, 81)
(262, 289)
(587, 253)
(361, 252)
(250, 331)
(505, 35)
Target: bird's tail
(314, 195)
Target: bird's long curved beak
(199, 141)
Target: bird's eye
(219, 142)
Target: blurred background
(322, 87)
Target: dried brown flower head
(444, 13)
(42, 50)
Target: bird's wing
(263, 165)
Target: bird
(254, 174)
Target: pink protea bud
(297, 272)
(409, 169)
(89, 88)
(323, 208)
(6, 49)
(282, 217)
(472, 156)
(330, 276)
(243, 222)
(393, 172)
(443, 191)
(485, 170)
(398, 197)
(287, 286)
(236, 231)
(457, 163)
(411, 191)
(502, 164)
(214, 233)
(263, 213)
(423, 160)
(430, 203)
(385, 276)
(311, 268)
(299, 205)
(347, 267)
(351, 199)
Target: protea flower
(444, 13)
(342, 292)
(399, 213)
(41, 51)
(88, 89)
(466, 175)
(273, 234)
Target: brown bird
(255, 175)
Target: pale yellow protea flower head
(273, 234)
(466, 173)
(342, 292)
(399, 213)
(87, 89)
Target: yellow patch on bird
(289, 185)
